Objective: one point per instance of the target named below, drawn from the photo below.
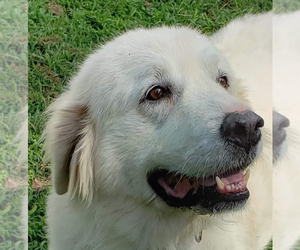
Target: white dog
(152, 137)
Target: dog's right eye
(156, 93)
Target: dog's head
(155, 115)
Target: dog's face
(157, 116)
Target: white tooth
(220, 184)
(247, 175)
(228, 188)
(243, 171)
(232, 185)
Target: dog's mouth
(215, 193)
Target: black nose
(242, 128)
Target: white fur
(247, 45)
(102, 141)
(286, 184)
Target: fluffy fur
(103, 139)
(247, 45)
(286, 63)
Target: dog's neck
(145, 227)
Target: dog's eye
(223, 80)
(156, 93)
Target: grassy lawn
(64, 32)
(284, 6)
(13, 96)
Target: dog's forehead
(167, 49)
(163, 42)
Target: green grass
(13, 96)
(285, 6)
(62, 36)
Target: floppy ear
(69, 140)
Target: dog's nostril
(260, 123)
(242, 128)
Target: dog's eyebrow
(158, 74)
(162, 80)
(222, 73)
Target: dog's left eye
(223, 80)
(156, 93)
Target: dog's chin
(220, 192)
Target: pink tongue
(179, 191)
(183, 186)
(232, 178)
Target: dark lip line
(223, 174)
(229, 172)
